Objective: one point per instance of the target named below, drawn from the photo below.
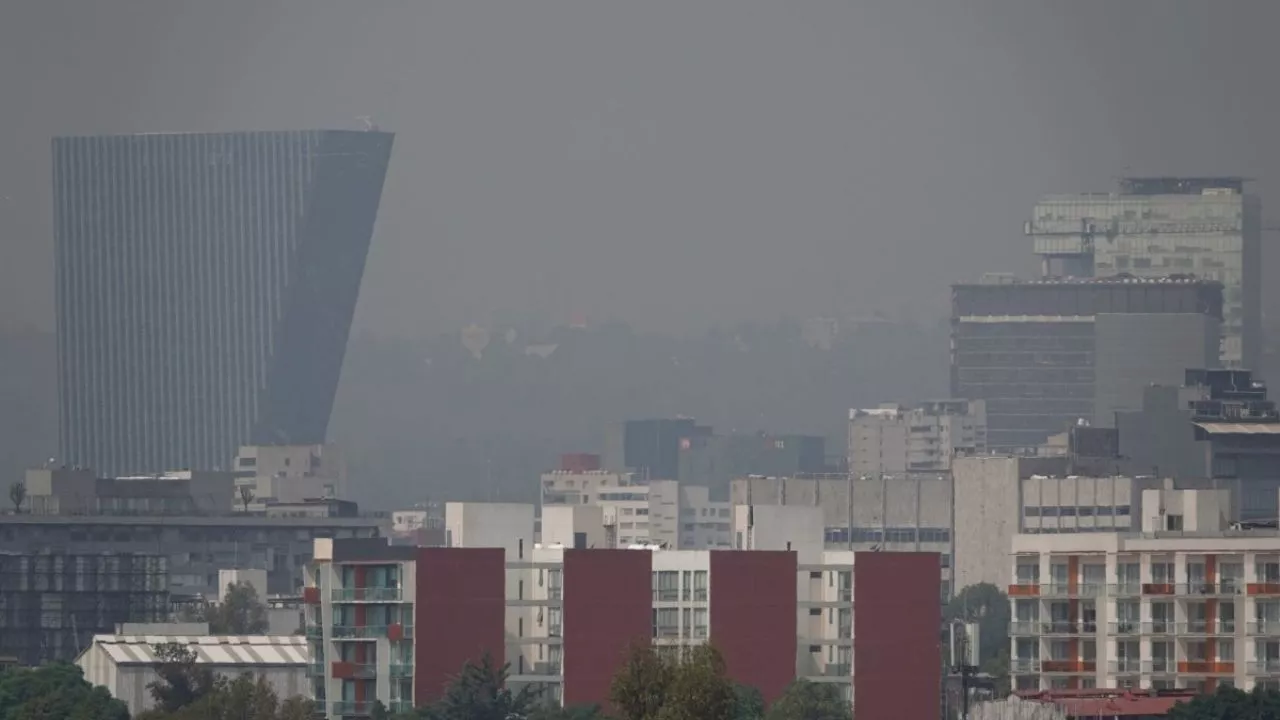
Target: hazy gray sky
(675, 163)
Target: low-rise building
(661, 512)
(126, 664)
(79, 491)
(1188, 599)
(290, 473)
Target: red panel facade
(608, 601)
(458, 616)
(897, 616)
(753, 617)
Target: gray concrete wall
(1135, 351)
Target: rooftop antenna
(367, 123)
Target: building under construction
(51, 605)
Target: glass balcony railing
(1024, 665)
(367, 594)
(401, 670)
(350, 708)
(1265, 667)
(360, 631)
(838, 670)
(1126, 666)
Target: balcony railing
(1206, 667)
(666, 631)
(1206, 589)
(359, 631)
(1158, 666)
(666, 595)
(1083, 590)
(1024, 627)
(1159, 627)
(400, 707)
(401, 670)
(1024, 665)
(1265, 667)
(1263, 588)
(1028, 589)
(1158, 588)
(542, 668)
(314, 632)
(1204, 627)
(1126, 589)
(555, 593)
(1069, 666)
(838, 670)
(1265, 627)
(1061, 627)
(348, 708)
(367, 594)
(1125, 627)
(843, 595)
(315, 669)
(844, 631)
(555, 630)
(1125, 666)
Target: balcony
(348, 670)
(1125, 666)
(315, 669)
(1073, 590)
(1126, 589)
(666, 595)
(1202, 589)
(1265, 667)
(1024, 590)
(401, 670)
(838, 670)
(1203, 627)
(1158, 666)
(367, 594)
(1069, 666)
(314, 632)
(555, 593)
(547, 669)
(1159, 588)
(1060, 627)
(361, 632)
(666, 631)
(400, 707)
(1024, 627)
(555, 630)
(844, 594)
(1159, 627)
(1264, 588)
(1206, 667)
(1125, 627)
(1265, 628)
(347, 708)
(1024, 666)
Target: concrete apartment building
(1050, 354)
(1187, 600)
(394, 624)
(713, 461)
(79, 491)
(205, 288)
(290, 473)
(1209, 227)
(895, 439)
(660, 512)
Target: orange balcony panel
(343, 670)
(1024, 591)
(311, 595)
(1206, 667)
(1157, 588)
(395, 632)
(1069, 666)
(1264, 588)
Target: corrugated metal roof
(209, 649)
(1239, 428)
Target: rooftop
(1121, 279)
(209, 649)
(1109, 703)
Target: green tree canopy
(749, 703)
(804, 700)
(699, 688)
(55, 691)
(988, 606)
(241, 613)
(480, 693)
(181, 682)
(1230, 704)
(639, 688)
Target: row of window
(1077, 511)
(888, 534)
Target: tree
(639, 688)
(55, 691)
(988, 606)
(750, 703)
(552, 711)
(699, 688)
(182, 682)
(17, 495)
(1230, 703)
(480, 693)
(804, 700)
(241, 613)
(246, 496)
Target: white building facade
(894, 439)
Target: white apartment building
(894, 439)
(659, 512)
(1187, 601)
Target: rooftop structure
(649, 448)
(663, 512)
(1048, 355)
(1210, 227)
(126, 664)
(712, 461)
(79, 491)
(205, 286)
(290, 473)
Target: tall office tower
(1050, 354)
(1208, 227)
(205, 288)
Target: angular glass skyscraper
(205, 288)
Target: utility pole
(964, 659)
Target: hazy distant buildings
(712, 461)
(205, 287)
(893, 439)
(1154, 227)
(1049, 354)
(290, 473)
(649, 448)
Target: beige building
(895, 439)
(1185, 599)
(291, 473)
(658, 512)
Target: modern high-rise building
(1209, 227)
(205, 288)
(1051, 354)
